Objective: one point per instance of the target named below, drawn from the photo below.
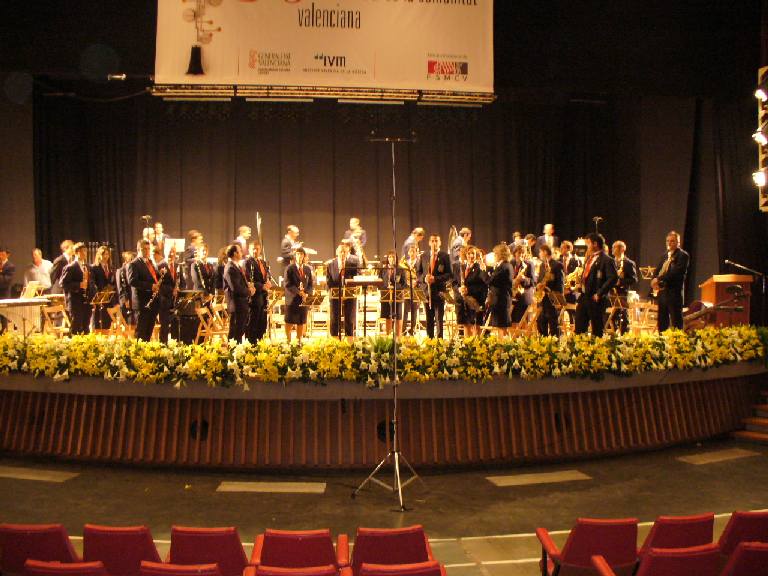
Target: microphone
(729, 263)
(112, 77)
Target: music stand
(273, 297)
(101, 299)
(364, 284)
(341, 294)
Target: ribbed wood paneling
(346, 433)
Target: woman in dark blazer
(298, 285)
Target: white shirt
(41, 273)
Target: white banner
(387, 44)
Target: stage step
(755, 437)
(756, 424)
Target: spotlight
(762, 89)
(759, 178)
(760, 137)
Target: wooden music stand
(716, 290)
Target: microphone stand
(394, 455)
(761, 275)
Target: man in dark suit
(58, 266)
(598, 279)
(343, 267)
(435, 272)
(288, 245)
(79, 288)
(171, 272)
(416, 236)
(548, 238)
(551, 277)
(238, 290)
(257, 272)
(523, 280)
(124, 289)
(7, 270)
(669, 282)
(626, 270)
(194, 242)
(203, 273)
(144, 280)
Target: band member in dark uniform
(103, 277)
(257, 272)
(435, 269)
(144, 281)
(499, 301)
(237, 290)
(288, 245)
(570, 263)
(394, 279)
(221, 264)
(124, 289)
(7, 270)
(298, 285)
(357, 237)
(203, 273)
(194, 241)
(598, 279)
(550, 280)
(79, 288)
(343, 267)
(58, 265)
(473, 290)
(414, 239)
(171, 272)
(626, 270)
(669, 282)
(410, 266)
(523, 279)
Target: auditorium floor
(477, 527)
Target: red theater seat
(329, 570)
(615, 540)
(221, 546)
(20, 542)
(40, 568)
(299, 549)
(121, 549)
(679, 532)
(160, 569)
(698, 561)
(749, 559)
(743, 527)
(397, 546)
(431, 568)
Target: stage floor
(477, 526)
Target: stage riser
(296, 434)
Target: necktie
(432, 266)
(589, 266)
(261, 267)
(667, 262)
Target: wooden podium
(714, 291)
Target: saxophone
(541, 285)
(519, 289)
(469, 300)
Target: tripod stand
(394, 456)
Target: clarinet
(163, 272)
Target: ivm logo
(331, 61)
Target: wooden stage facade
(343, 424)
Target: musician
(194, 241)
(203, 274)
(669, 281)
(289, 244)
(598, 279)
(435, 270)
(550, 280)
(530, 247)
(410, 265)
(221, 264)
(357, 236)
(548, 237)
(461, 241)
(473, 290)
(570, 263)
(626, 270)
(66, 256)
(517, 238)
(524, 278)
(7, 270)
(143, 278)
(257, 272)
(343, 267)
(238, 290)
(417, 235)
(104, 278)
(160, 235)
(78, 285)
(500, 284)
(148, 233)
(171, 272)
(39, 271)
(243, 235)
(394, 280)
(298, 285)
(124, 289)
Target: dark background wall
(640, 112)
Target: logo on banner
(331, 61)
(455, 70)
(269, 62)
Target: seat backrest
(698, 560)
(294, 549)
(121, 549)
(431, 568)
(743, 527)
(749, 559)
(615, 540)
(330, 570)
(390, 546)
(160, 569)
(206, 546)
(679, 532)
(41, 568)
(19, 542)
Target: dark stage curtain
(646, 165)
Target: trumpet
(163, 272)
